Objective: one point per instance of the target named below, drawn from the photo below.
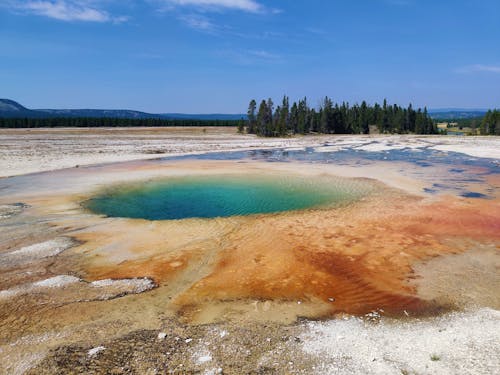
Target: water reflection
(466, 172)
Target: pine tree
(284, 117)
(252, 120)
(364, 118)
(302, 116)
(384, 124)
(269, 128)
(262, 119)
(326, 115)
(294, 118)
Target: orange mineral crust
(353, 260)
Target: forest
(490, 125)
(94, 122)
(286, 119)
(330, 118)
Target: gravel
(457, 343)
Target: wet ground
(459, 172)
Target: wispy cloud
(478, 68)
(193, 13)
(148, 56)
(263, 54)
(251, 57)
(399, 2)
(315, 31)
(243, 5)
(198, 22)
(65, 10)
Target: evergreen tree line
(330, 118)
(93, 122)
(490, 125)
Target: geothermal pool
(242, 238)
(223, 196)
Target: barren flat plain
(404, 278)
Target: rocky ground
(458, 343)
(34, 150)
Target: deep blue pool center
(223, 196)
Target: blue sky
(207, 56)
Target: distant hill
(111, 113)
(12, 109)
(456, 113)
(7, 105)
(215, 116)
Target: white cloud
(243, 5)
(65, 10)
(479, 68)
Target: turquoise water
(221, 196)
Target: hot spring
(224, 196)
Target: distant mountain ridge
(10, 109)
(7, 105)
(116, 113)
(456, 113)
